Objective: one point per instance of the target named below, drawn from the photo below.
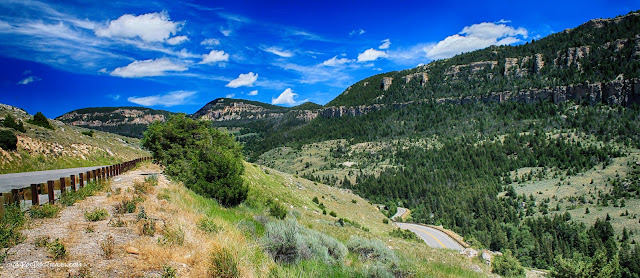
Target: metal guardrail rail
(52, 190)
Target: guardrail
(54, 189)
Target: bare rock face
(117, 117)
(386, 83)
(339, 111)
(467, 70)
(423, 77)
(571, 56)
(539, 62)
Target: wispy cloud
(385, 44)
(167, 100)
(278, 51)
(253, 93)
(29, 80)
(335, 61)
(177, 40)
(157, 67)
(244, 79)
(210, 42)
(356, 32)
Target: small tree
(40, 120)
(8, 140)
(10, 122)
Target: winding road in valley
(433, 237)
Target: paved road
(400, 212)
(24, 179)
(431, 236)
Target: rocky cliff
(128, 121)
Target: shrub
(507, 266)
(333, 213)
(247, 227)
(142, 215)
(152, 180)
(276, 209)
(44, 211)
(10, 226)
(404, 234)
(148, 227)
(41, 241)
(315, 200)
(126, 206)
(223, 264)
(371, 249)
(8, 140)
(40, 120)
(57, 249)
(89, 133)
(117, 222)
(207, 160)
(96, 215)
(108, 247)
(385, 221)
(288, 242)
(354, 201)
(10, 122)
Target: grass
(10, 226)
(44, 211)
(92, 187)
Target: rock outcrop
(386, 83)
(116, 117)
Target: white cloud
(167, 100)
(225, 32)
(356, 32)
(278, 51)
(244, 79)
(371, 55)
(210, 42)
(29, 80)
(149, 67)
(177, 40)
(214, 56)
(230, 95)
(334, 62)
(385, 44)
(253, 93)
(151, 27)
(115, 97)
(475, 37)
(287, 97)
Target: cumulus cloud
(167, 100)
(371, 55)
(475, 37)
(214, 56)
(253, 93)
(287, 97)
(149, 67)
(210, 42)
(335, 61)
(385, 44)
(29, 80)
(151, 27)
(356, 32)
(244, 79)
(177, 40)
(279, 52)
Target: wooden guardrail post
(50, 189)
(2, 205)
(15, 195)
(63, 186)
(81, 180)
(94, 176)
(35, 195)
(73, 182)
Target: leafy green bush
(507, 266)
(371, 249)
(126, 206)
(89, 133)
(10, 122)
(207, 160)
(333, 213)
(44, 211)
(96, 215)
(8, 140)
(385, 221)
(405, 234)
(57, 249)
(288, 242)
(315, 200)
(40, 120)
(276, 209)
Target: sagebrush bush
(126, 206)
(507, 266)
(276, 209)
(288, 242)
(371, 249)
(8, 140)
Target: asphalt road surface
(399, 213)
(431, 236)
(24, 179)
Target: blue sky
(56, 56)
